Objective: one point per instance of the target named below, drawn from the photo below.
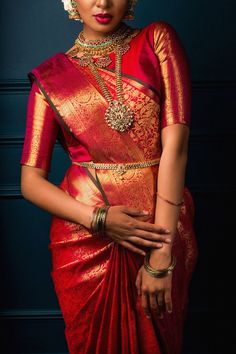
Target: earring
(74, 14)
(129, 15)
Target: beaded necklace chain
(118, 115)
(93, 46)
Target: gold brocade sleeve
(41, 131)
(175, 76)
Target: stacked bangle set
(99, 220)
(158, 273)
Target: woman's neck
(90, 34)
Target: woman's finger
(153, 301)
(168, 300)
(145, 243)
(145, 304)
(151, 227)
(161, 303)
(138, 282)
(134, 212)
(130, 247)
(152, 236)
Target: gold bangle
(99, 220)
(158, 273)
(93, 218)
(169, 201)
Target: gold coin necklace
(118, 115)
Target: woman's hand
(124, 228)
(155, 292)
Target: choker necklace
(81, 41)
(101, 47)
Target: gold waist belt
(120, 168)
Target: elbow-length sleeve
(41, 131)
(175, 76)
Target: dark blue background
(31, 31)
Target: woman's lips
(103, 18)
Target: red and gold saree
(94, 278)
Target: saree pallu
(94, 277)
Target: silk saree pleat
(94, 277)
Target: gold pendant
(103, 62)
(118, 116)
(84, 61)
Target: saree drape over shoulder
(94, 277)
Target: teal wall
(31, 31)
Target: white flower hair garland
(67, 5)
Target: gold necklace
(81, 40)
(101, 48)
(118, 115)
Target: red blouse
(156, 59)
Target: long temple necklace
(118, 115)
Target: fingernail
(167, 230)
(148, 316)
(143, 253)
(168, 240)
(145, 212)
(159, 245)
(169, 311)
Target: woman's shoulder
(160, 28)
(51, 60)
(160, 33)
(50, 63)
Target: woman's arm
(37, 189)
(40, 136)
(156, 293)
(170, 184)
(175, 121)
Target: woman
(122, 243)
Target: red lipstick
(103, 18)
